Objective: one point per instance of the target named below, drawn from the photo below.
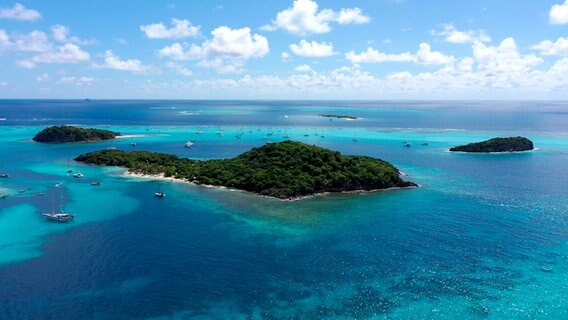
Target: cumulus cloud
(78, 81)
(35, 41)
(61, 34)
(559, 13)
(180, 29)
(372, 55)
(312, 49)
(304, 17)
(226, 51)
(179, 68)
(424, 56)
(453, 35)
(303, 68)
(114, 62)
(67, 53)
(19, 12)
(549, 48)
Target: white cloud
(114, 62)
(424, 56)
(453, 35)
(226, 51)
(303, 68)
(312, 49)
(78, 81)
(180, 29)
(304, 17)
(67, 53)
(504, 58)
(351, 15)
(372, 55)
(61, 34)
(559, 13)
(35, 41)
(179, 68)
(43, 78)
(285, 55)
(19, 12)
(549, 48)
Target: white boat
(58, 216)
(159, 194)
(407, 144)
(188, 144)
(4, 174)
(78, 175)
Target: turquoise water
(485, 237)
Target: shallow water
(485, 237)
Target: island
(325, 115)
(64, 134)
(283, 170)
(511, 144)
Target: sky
(285, 49)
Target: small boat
(424, 143)
(69, 170)
(59, 217)
(407, 144)
(159, 194)
(133, 144)
(78, 175)
(286, 136)
(188, 144)
(95, 183)
(111, 148)
(3, 174)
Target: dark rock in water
(511, 144)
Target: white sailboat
(60, 216)
(4, 174)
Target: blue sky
(285, 49)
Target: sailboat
(3, 174)
(69, 170)
(355, 137)
(60, 216)
(159, 194)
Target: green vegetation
(497, 145)
(283, 170)
(338, 116)
(62, 134)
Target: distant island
(326, 115)
(511, 144)
(64, 134)
(284, 170)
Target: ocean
(484, 237)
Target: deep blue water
(485, 237)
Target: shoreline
(161, 177)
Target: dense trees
(497, 145)
(283, 170)
(61, 134)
